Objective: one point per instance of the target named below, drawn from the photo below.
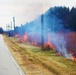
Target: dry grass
(36, 62)
(28, 64)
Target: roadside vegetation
(34, 61)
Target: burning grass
(34, 61)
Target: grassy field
(34, 61)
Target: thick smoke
(54, 22)
(58, 39)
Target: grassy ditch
(34, 61)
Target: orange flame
(25, 37)
(49, 42)
(73, 58)
(16, 36)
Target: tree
(71, 20)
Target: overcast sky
(27, 10)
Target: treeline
(55, 19)
(67, 16)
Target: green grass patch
(55, 63)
